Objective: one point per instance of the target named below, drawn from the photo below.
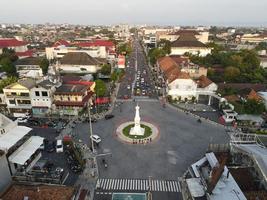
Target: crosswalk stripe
(139, 185)
(160, 184)
(171, 187)
(104, 184)
(179, 187)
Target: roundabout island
(136, 132)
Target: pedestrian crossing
(138, 185)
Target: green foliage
(7, 66)
(156, 53)
(252, 106)
(242, 66)
(231, 73)
(261, 46)
(124, 48)
(165, 45)
(44, 64)
(114, 76)
(126, 132)
(106, 69)
(100, 88)
(6, 82)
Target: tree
(231, 73)
(252, 106)
(106, 69)
(124, 48)
(100, 88)
(6, 82)
(44, 64)
(165, 45)
(155, 54)
(114, 76)
(7, 66)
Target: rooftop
(11, 42)
(28, 61)
(188, 40)
(40, 192)
(215, 175)
(71, 88)
(78, 58)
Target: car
(22, 119)
(128, 87)
(95, 138)
(59, 146)
(109, 116)
(126, 97)
(50, 147)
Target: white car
(128, 87)
(59, 147)
(96, 138)
(22, 119)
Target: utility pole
(90, 126)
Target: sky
(151, 12)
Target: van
(59, 147)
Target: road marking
(138, 185)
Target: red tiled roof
(11, 42)
(254, 96)
(28, 53)
(105, 43)
(61, 42)
(80, 82)
(203, 81)
(166, 63)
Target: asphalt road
(132, 82)
(182, 141)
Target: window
(13, 93)
(68, 98)
(76, 98)
(37, 93)
(44, 94)
(61, 98)
(12, 101)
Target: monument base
(137, 131)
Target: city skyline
(206, 12)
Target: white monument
(137, 129)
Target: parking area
(58, 160)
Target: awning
(25, 151)
(102, 100)
(10, 138)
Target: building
(211, 179)
(39, 191)
(121, 61)
(42, 97)
(29, 68)
(79, 63)
(60, 51)
(70, 99)
(12, 43)
(253, 38)
(22, 151)
(178, 82)
(5, 175)
(17, 96)
(188, 43)
(201, 36)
